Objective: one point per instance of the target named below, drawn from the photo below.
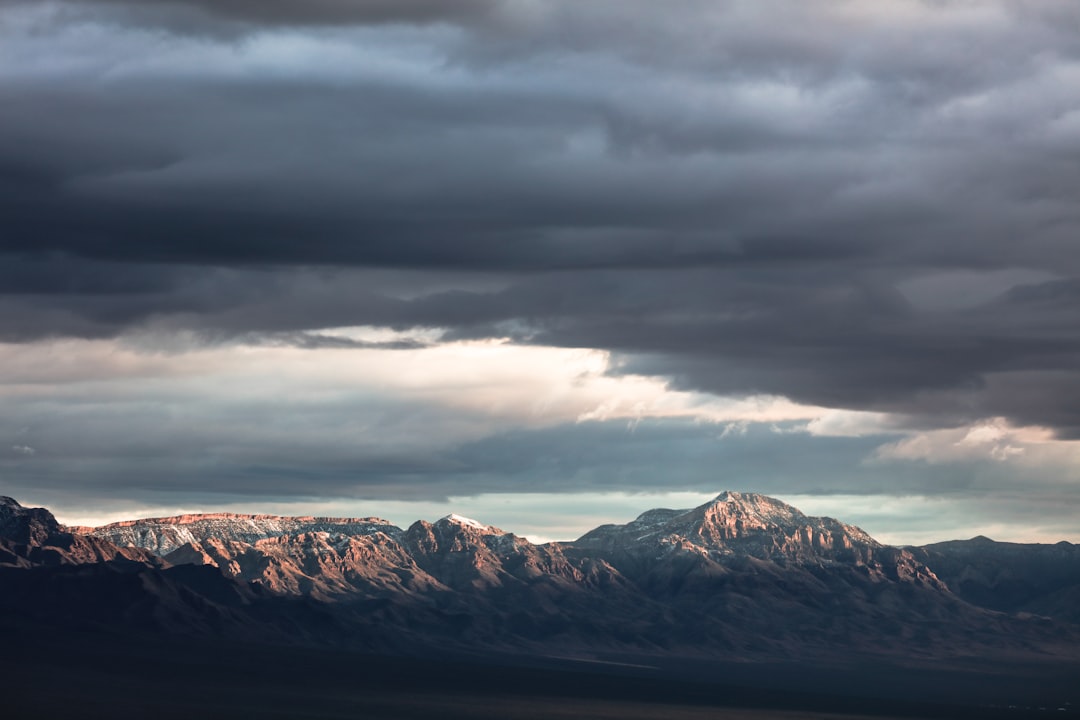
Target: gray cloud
(317, 341)
(297, 465)
(207, 16)
(741, 201)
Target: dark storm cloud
(854, 205)
(177, 13)
(207, 457)
(288, 12)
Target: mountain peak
(467, 522)
(462, 520)
(12, 502)
(764, 510)
(736, 523)
(750, 499)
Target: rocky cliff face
(452, 563)
(323, 565)
(465, 553)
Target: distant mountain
(738, 526)
(743, 575)
(1010, 577)
(766, 577)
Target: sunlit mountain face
(336, 266)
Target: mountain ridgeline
(741, 576)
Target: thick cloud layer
(865, 206)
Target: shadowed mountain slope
(1010, 577)
(31, 537)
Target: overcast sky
(548, 262)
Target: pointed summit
(755, 501)
(751, 511)
(737, 524)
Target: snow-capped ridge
(249, 518)
(456, 519)
(164, 535)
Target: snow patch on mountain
(462, 520)
(164, 535)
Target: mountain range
(744, 576)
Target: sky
(547, 263)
